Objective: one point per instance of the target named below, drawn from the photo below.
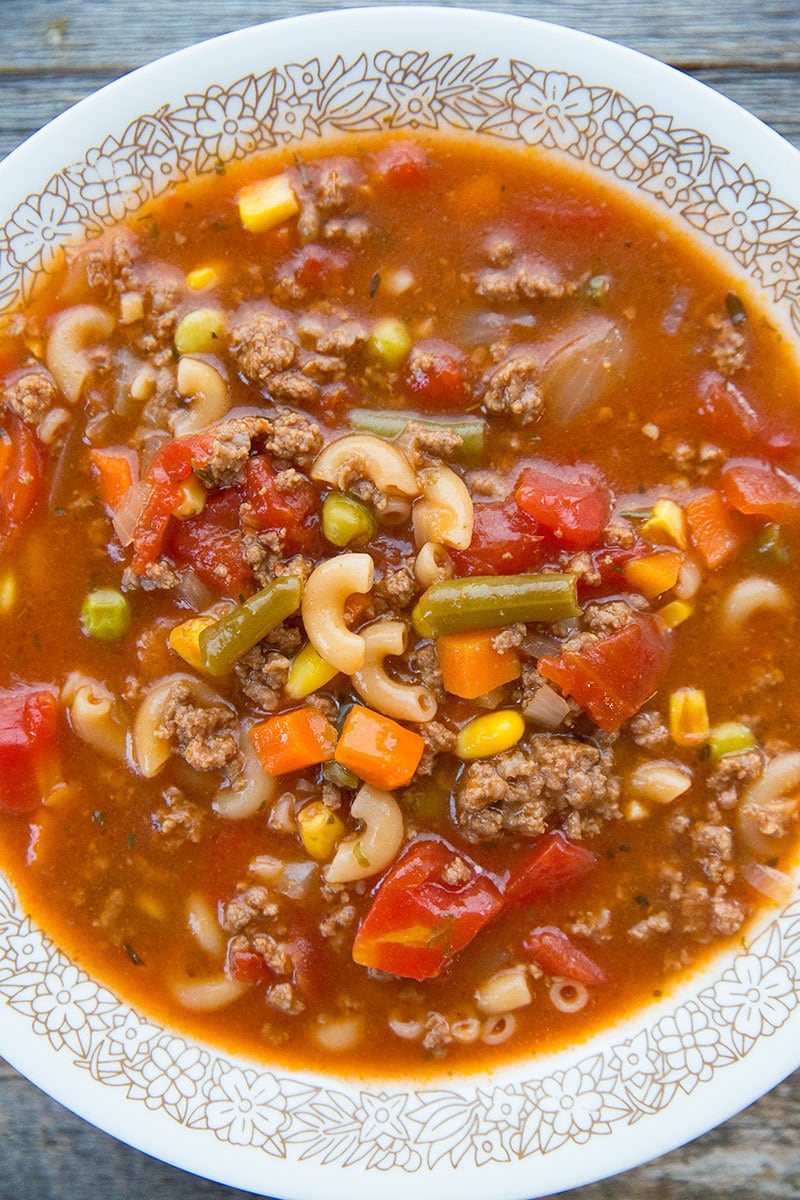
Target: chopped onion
(193, 591)
(130, 508)
(295, 878)
(540, 645)
(547, 709)
(777, 885)
(581, 364)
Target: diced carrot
(713, 531)
(655, 573)
(117, 469)
(293, 740)
(471, 666)
(377, 749)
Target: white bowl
(682, 1065)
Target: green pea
(345, 521)
(105, 614)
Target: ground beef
(286, 638)
(513, 389)
(727, 916)
(262, 675)
(438, 740)
(286, 998)
(157, 576)
(397, 589)
(642, 931)
(107, 262)
(323, 190)
(204, 735)
(727, 349)
(424, 662)
(713, 846)
(423, 445)
(611, 616)
(293, 438)
(617, 534)
(489, 484)
(735, 772)
(335, 926)
(251, 906)
(583, 565)
(263, 343)
(595, 925)
(179, 820)
(223, 465)
(331, 330)
(649, 731)
(519, 791)
(30, 395)
(456, 873)
(509, 638)
(523, 278)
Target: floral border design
(407, 1130)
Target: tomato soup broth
(397, 587)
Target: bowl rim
(667, 91)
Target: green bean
(224, 642)
(491, 601)
(772, 547)
(390, 425)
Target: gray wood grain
(52, 53)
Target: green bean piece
(492, 601)
(390, 425)
(339, 775)
(224, 642)
(346, 521)
(772, 546)
(105, 614)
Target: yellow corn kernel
(185, 640)
(200, 331)
(8, 593)
(667, 523)
(654, 574)
(201, 277)
(320, 829)
(131, 308)
(264, 203)
(192, 501)
(675, 613)
(688, 717)
(308, 673)
(151, 907)
(390, 340)
(492, 734)
(732, 737)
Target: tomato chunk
(21, 474)
(729, 416)
(436, 375)
(28, 749)
(760, 490)
(418, 921)
(504, 540)
(558, 955)
(246, 966)
(552, 864)
(402, 164)
(173, 464)
(612, 677)
(211, 544)
(574, 503)
(294, 514)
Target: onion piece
(547, 709)
(126, 518)
(777, 885)
(193, 591)
(581, 364)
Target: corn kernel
(675, 613)
(688, 717)
(201, 277)
(308, 673)
(131, 308)
(484, 736)
(654, 574)
(390, 340)
(192, 501)
(184, 639)
(730, 738)
(265, 203)
(200, 331)
(8, 593)
(320, 829)
(667, 523)
(151, 907)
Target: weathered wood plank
(81, 33)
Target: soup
(397, 586)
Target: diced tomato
(505, 540)
(436, 375)
(315, 267)
(173, 463)
(574, 503)
(760, 490)
(560, 215)
(729, 416)
(552, 864)
(610, 562)
(417, 921)
(402, 164)
(21, 474)
(28, 748)
(211, 543)
(613, 677)
(294, 515)
(308, 963)
(246, 966)
(558, 955)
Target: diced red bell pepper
(211, 543)
(294, 514)
(505, 540)
(21, 474)
(613, 677)
(402, 164)
(760, 490)
(574, 503)
(28, 749)
(558, 955)
(418, 922)
(552, 864)
(436, 375)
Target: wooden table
(52, 53)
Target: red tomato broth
(69, 860)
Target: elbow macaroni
(71, 336)
(753, 595)
(371, 851)
(207, 391)
(92, 715)
(433, 564)
(150, 750)
(364, 456)
(445, 513)
(403, 701)
(250, 791)
(324, 598)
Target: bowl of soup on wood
(400, 513)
